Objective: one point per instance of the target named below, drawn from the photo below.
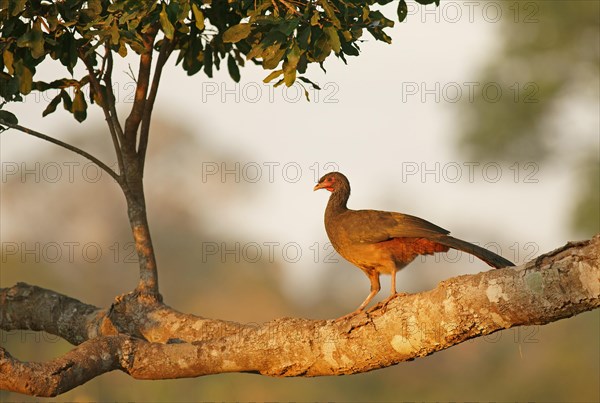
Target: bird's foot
(383, 304)
(348, 316)
(393, 296)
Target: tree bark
(149, 340)
(136, 210)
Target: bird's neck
(337, 202)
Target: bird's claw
(348, 316)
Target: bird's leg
(393, 291)
(375, 287)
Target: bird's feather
(372, 226)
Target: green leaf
(37, 43)
(425, 2)
(198, 16)
(288, 26)
(350, 49)
(236, 33)
(402, 10)
(289, 66)
(289, 76)
(52, 105)
(334, 39)
(6, 116)
(114, 33)
(304, 37)
(95, 6)
(8, 58)
(234, 70)
(25, 81)
(68, 49)
(302, 64)
(9, 88)
(306, 80)
(272, 56)
(18, 6)
(34, 40)
(331, 13)
(321, 49)
(316, 17)
(79, 107)
(122, 49)
(273, 75)
(67, 103)
(165, 23)
(208, 60)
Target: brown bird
(382, 242)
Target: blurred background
(481, 117)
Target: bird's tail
(486, 255)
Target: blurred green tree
(549, 61)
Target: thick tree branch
(52, 378)
(28, 307)
(33, 308)
(69, 147)
(554, 286)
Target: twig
(105, 108)
(111, 95)
(69, 147)
(165, 51)
(130, 73)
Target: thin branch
(166, 49)
(130, 73)
(104, 104)
(111, 95)
(558, 285)
(289, 7)
(132, 123)
(69, 147)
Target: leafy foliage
(281, 35)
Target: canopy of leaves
(281, 35)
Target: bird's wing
(371, 226)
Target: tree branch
(104, 104)
(69, 147)
(111, 94)
(554, 286)
(166, 48)
(132, 123)
(60, 375)
(33, 308)
(28, 307)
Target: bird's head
(332, 181)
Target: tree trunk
(133, 188)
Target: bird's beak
(322, 185)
